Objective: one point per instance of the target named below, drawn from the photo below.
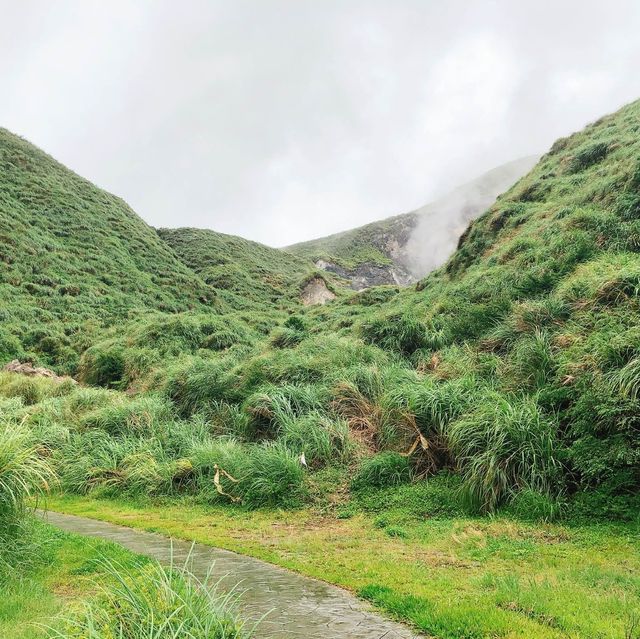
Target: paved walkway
(300, 606)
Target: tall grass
(275, 477)
(153, 602)
(532, 362)
(269, 474)
(143, 414)
(24, 473)
(322, 440)
(383, 469)
(399, 333)
(627, 379)
(433, 407)
(502, 447)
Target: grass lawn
(61, 572)
(452, 577)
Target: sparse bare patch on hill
(315, 291)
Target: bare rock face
(366, 274)
(34, 371)
(315, 291)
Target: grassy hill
(401, 249)
(525, 342)
(539, 307)
(505, 382)
(248, 272)
(515, 364)
(72, 254)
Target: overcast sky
(286, 120)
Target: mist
(440, 224)
(282, 121)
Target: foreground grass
(451, 577)
(61, 573)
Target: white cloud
(285, 120)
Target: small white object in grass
(303, 460)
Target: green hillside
(72, 253)
(517, 361)
(246, 271)
(505, 383)
(536, 318)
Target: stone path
(297, 606)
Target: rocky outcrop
(27, 368)
(367, 274)
(316, 291)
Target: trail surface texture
(295, 606)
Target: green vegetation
(411, 551)
(364, 245)
(47, 573)
(243, 272)
(505, 383)
(171, 604)
(40, 570)
(74, 259)
(69, 587)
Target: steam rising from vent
(441, 223)
(415, 243)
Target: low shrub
(588, 155)
(384, 469)
(274, 477)
(142, 415)
(29, 389)
(604, 432)
(102, 365)
(196, 385)
(296, 323)
(502, 447)
(534, 506)
(10, 347)
(397, 333)
(285, 337)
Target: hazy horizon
(286, 121)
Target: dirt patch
(66, 590)
(480, 535)
(30, 370)
(438, 559)
(315, 291)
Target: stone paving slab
(295, 606)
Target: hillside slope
(507, 380)
(536, 317)
(248, 271)
(515, 367)
(72, 253)
(401, 249)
